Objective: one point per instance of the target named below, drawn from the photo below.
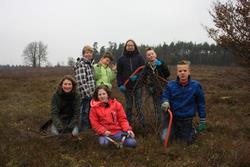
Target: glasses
(130, 45)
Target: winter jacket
(84, 74)
(108, 117)
(154, 77)
(185, 100)
(104, 75)
(126, 65)
(65, 106)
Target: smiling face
(67, 86)
(88, 54)
(130, 46)
(183, 71)
(105, 61)
(151, 55)
(102, 95)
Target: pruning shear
(117, 143)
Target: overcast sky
(67, 25)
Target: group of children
(106, 116)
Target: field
(25, 105)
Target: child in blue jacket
(184, 96)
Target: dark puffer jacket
(155, 77)
(126, 65)
(64, 110)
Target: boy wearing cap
(184, 96)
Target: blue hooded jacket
(185, 100)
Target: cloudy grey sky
(66, 25)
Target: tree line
(202, 53)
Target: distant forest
(199, 54)
(202, 53)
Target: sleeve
(141, 60)
(122, 118)
(142, 77)
(200, 99)
(55, 113)
(165, 70)
(91, 85)
(97, 71)
(95, 123)
(76, 112)
(112, 75)
(166, 94)
(119, 72)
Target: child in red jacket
(107, 118)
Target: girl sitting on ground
(108, 118)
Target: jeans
(138, 105)
(84, 114)
(129, 142)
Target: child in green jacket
(104, 75)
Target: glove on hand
(88, 97)
(122, 88)
(157, 62)
(202, 125)
(133, 78)
(165, 105)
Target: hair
(108, 55)
(70, 78)
(184, 62)
(104, 87)
(87, 48)
(136, 51)
(148, 49)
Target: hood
(83, 59)
(95, 103)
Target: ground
(25, 105)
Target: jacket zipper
(131, 68)
(113, 116)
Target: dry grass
(25, 105)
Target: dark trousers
(138, 105)
(157, 105)
(182, 129)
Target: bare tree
(232, 22)
(35, 53)
(42, 53)
(71, 61)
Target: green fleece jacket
(65, 108)
(104, 75)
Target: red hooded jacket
(108, 117)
